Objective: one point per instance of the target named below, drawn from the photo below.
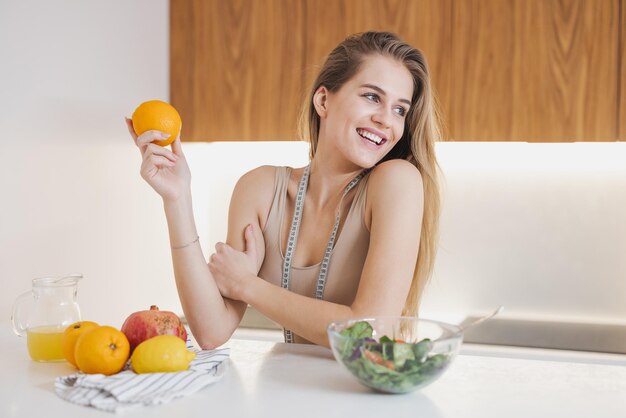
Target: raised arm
(214, 318)
(211, 317)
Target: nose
(382, 117)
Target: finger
(177, 147)
(219, 247)
(156, 161)
(153, 149)
(151, 136)
(131, 129)
(213, 270)
(250, 240)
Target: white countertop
(270, 379)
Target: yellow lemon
(163, 353)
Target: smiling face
(365, 118)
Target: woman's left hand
(233, 270)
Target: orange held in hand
(159, 116)
(102, 350)
(70, 336)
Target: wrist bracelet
(186, 245)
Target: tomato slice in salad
(378, 359)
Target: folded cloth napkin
(128, 390)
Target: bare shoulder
(395, 175)
(254, 191)
(394, 187)
(258, 178)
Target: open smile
(371, 137)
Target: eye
(372, 97)
(401, 111)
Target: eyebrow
(381, 91)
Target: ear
(320, 101)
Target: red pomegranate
(142, 325)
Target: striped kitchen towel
(128, 390)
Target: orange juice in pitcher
(43, 314)
(44, 343)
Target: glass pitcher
(43, 313)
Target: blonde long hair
(417, 145)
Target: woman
(371, 187)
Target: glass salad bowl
(395, 354)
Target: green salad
(389, 365)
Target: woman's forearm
(211, 318)
(305, 316)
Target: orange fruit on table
(102, 350)
(70, 336)
(159, 116)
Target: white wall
(71, 196)
(539, 228)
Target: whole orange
(159, 116)
(70, 336)
(102, 350)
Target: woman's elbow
(211, 340)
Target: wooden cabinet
(621, 104)
(525, 70)
(237, 68)
(535, 70)
(240, 69)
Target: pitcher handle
(19, 328)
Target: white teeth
(372, 137)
